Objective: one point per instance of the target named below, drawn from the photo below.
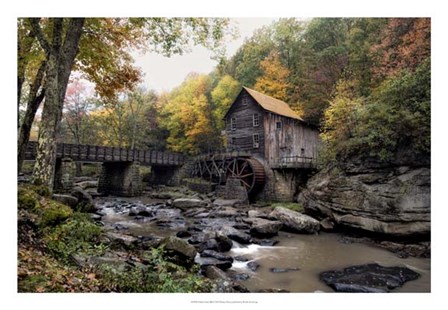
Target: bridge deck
(94, 153)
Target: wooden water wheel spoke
(245, 184)
(246, 175)
(248, 171)
(243, 167)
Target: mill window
(233, 123)
(256, 140)
(245, 100)
(256, 120)
(302, 152)
(233, 140)
(278, 125)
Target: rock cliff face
(392, 200)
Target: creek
(300, 258)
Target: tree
(187, 115)
(30, 76)
(223, 96)
(105, 59)
(76, 108)
(60, 53)
(404, 44)
(274, 81)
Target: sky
(163, 73)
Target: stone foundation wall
(283, 185)
(200, 187)
(232, 190)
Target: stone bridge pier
(63, 176)
(166, 175)
(120, 179)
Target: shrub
(77, 235)
(27, 198)
(158, 276)
(53, 213)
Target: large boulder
(87, 184)
(370, 278)
(214, 273)
(205, 262)
(187, 203)
(393, 201)
(66, 199)
(294, 221)
(85, 200)
(217, 255)
(121, 241)
(235, 234)
(263, 228)
(178, 251)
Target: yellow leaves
(187, 115)
(274, 81)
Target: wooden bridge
(94, 153)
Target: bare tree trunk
(60, 57)
(33, 104)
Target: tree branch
(39, 34)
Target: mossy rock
(54, 213)
(27, 198)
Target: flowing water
(313, 254)
(310, 254)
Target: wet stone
(201, 237)
(241, 226)
(253, 266)
(171, 224)
(282, 270)
(217, 255)
(370, 277)
(241, 277)
(209, 261)
(183, 234)
(194, 229)
(235, 234)
(273, 290)
(214, 273)
(241, 258)
(265, 242)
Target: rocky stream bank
(233, 246)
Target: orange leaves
(404, 44)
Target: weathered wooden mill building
(269, 128)
(270, 149)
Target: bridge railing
(94, 153)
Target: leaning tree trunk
(33, 104)
(60, 58)
(24, 45)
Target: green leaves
(394, 119)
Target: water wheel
(249, 171)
